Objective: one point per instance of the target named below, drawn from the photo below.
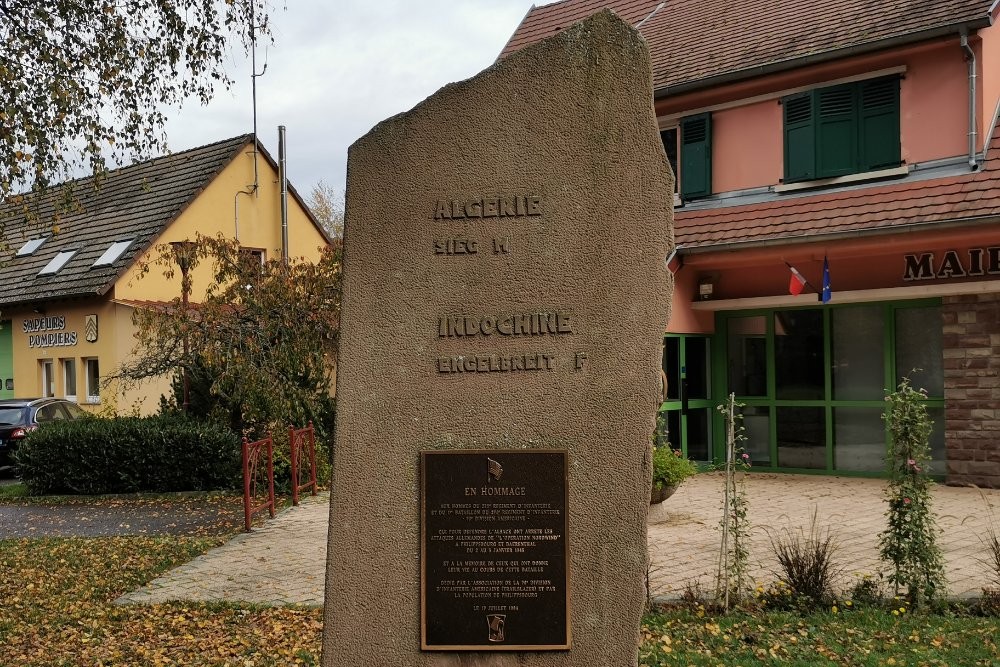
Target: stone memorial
(505, 298)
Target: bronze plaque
(494, 567)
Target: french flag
(797, 282)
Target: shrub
(807, 564)
(129, 454)
(205, 405)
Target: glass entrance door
(685, 418)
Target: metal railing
(252, 454)
(303, 446)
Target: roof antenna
(253, 188)
(253, 82)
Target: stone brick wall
(972, 388)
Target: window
(57, 263)
(798, 354)
(93, 380)
(74, 412)
(48, 378)
(838, 130)
(747, 363)
(691, 157)
(69, 378)
(113, 253)
(696, 156)
(813, 380)
(669, 139)
(30, 247)
(50, 413)
(254, 256)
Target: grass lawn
(15, 490)
(57, 609)
(867, 637)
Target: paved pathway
(684, 539)
(281, 562)
(284, 561)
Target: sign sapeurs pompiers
(48, 331)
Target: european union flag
(826, 294)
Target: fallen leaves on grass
(58, 610)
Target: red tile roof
(693, 42)
(966, 198)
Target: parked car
(19, 416)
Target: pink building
(857, 134)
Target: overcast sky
(338, 67)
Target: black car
(18, 416)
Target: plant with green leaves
(83, 84)
(671, 467)
(261, 341)
(731, 579)
(909, 542)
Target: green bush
(206, 405)
(129, 454)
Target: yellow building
(69, 284)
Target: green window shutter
(878, 126)
(696, 156)
(800, 138)
(836, 131)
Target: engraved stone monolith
(505, 298)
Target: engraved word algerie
(515, 206)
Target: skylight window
(113, 253)
(30, 247)
(57, 263)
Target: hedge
(129, 454)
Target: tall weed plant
(909, 542)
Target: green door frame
(720, 380)
(692, 403)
